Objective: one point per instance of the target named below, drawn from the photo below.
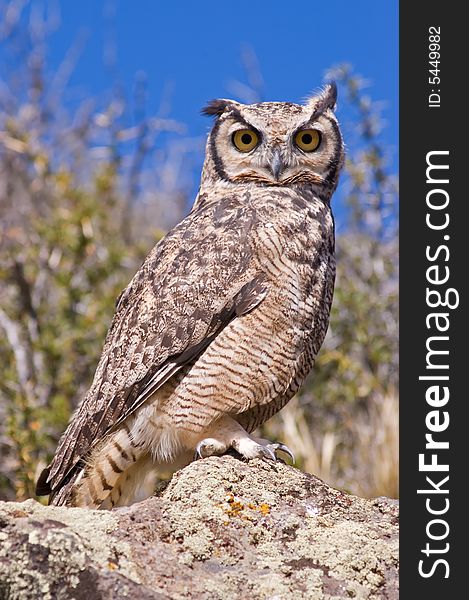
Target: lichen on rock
(221, 529)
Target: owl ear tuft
(217, 107)
(327, 98)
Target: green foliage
(63, 263)
(67, 248)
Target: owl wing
(192, 284)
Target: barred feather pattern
(219, 327)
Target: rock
(222, 528)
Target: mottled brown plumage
(221, 324)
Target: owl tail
(62, 495)
(65, 494)
(102, 480)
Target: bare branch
(12, 331)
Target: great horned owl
(221, 324)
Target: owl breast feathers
(221, 324)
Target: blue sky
(195, 46)
(191, 51)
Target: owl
(222, 323)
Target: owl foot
(260, 448)
(227, 433)
(247, 447)
(209, 447)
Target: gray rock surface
(221, 529)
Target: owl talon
(285, 450)
(268, 453)
(275, 447)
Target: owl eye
(308, 140)
(245, 139)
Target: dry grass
(359, 455)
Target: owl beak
(276, 165)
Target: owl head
(276, 143)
